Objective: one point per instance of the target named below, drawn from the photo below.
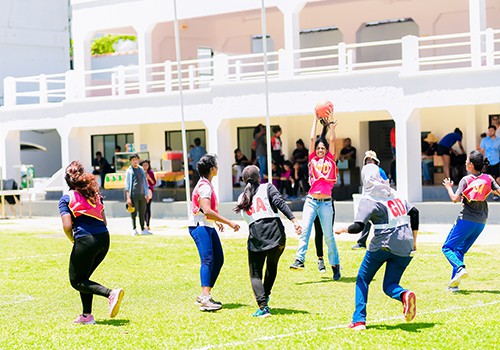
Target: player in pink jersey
(202, 221)
(472, 190)
(319, 202)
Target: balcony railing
(409, 55)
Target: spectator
(150, 176)
(496, 122)
(347, 159)
(299, 180)
(276, 146)
(240, 162)
(259, 135)
(429, 148)
(490, 147)
(136, 191)
(101, 167)
(276, 172)
(194, 156)
(444, 148)
(392, 138)
(113, 164)
(286, 179)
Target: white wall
(34, 38)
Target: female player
(259, 204)
(396, 226)
(84, 223)
(202, 230)
(473, 190)
(322, 177)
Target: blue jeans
(262, 162)
(324, 210)
(427, 169)
(373, 261)
(461, 237)
(210, 251)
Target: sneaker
(459, 276)
(357, 326)
(81, 319)
(208, 304)
(409, 300)
(336, 272)
(358, 246)
(135, 232)
(262, 312)
(297, 265)
(199, 299)
(115, 299)
(321, 265)
(453, 289)
(145, 232)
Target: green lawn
(160, 279)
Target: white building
(423, 65)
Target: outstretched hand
(447, 182)
(341, 230)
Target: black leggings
(147, 214)
(256, 263)
(88, 252)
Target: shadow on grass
(233, 306)
(328, 280)
(279, 311)
(407, 327)
(471, 291)
(115, 322)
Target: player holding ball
(322, 176)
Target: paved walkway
(435, 233)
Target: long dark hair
(479, 161)
(206, 163)
(250, 176)
(84, 183)
(322, 138)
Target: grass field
(160, 277)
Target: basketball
(322, 109)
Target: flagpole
(266, 89)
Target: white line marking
(16, 299)
(34, 256)
(314, 330)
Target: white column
(219, 143)
(408, 154)
(472, 129)
(410, 55)
(10, 154)
(82, 60)
(477, 21)
(64, 132)
(291, 11)
(145, 57)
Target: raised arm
(332, 137)
(313, 135)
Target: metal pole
(181, 97)
(1, 190)
(266, 89)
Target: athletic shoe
(208, 304)
(135, 232)
(459, 276)
(321, 265)
(336, 272)
(453, 289)
(409, 300)
(145, 232)
(200, 297)
(297, 265)
(262, 312)
(115, 299)
(81, 319)
(358, 246)
(357, 326)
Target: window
(173, 139)
(107, 143)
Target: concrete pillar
(10, 154)
(219, 143)
(410, 55)
(145, 57)
(82, 60)
(408, 154)
(472, 129)
(477, 21)
(291, 12)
